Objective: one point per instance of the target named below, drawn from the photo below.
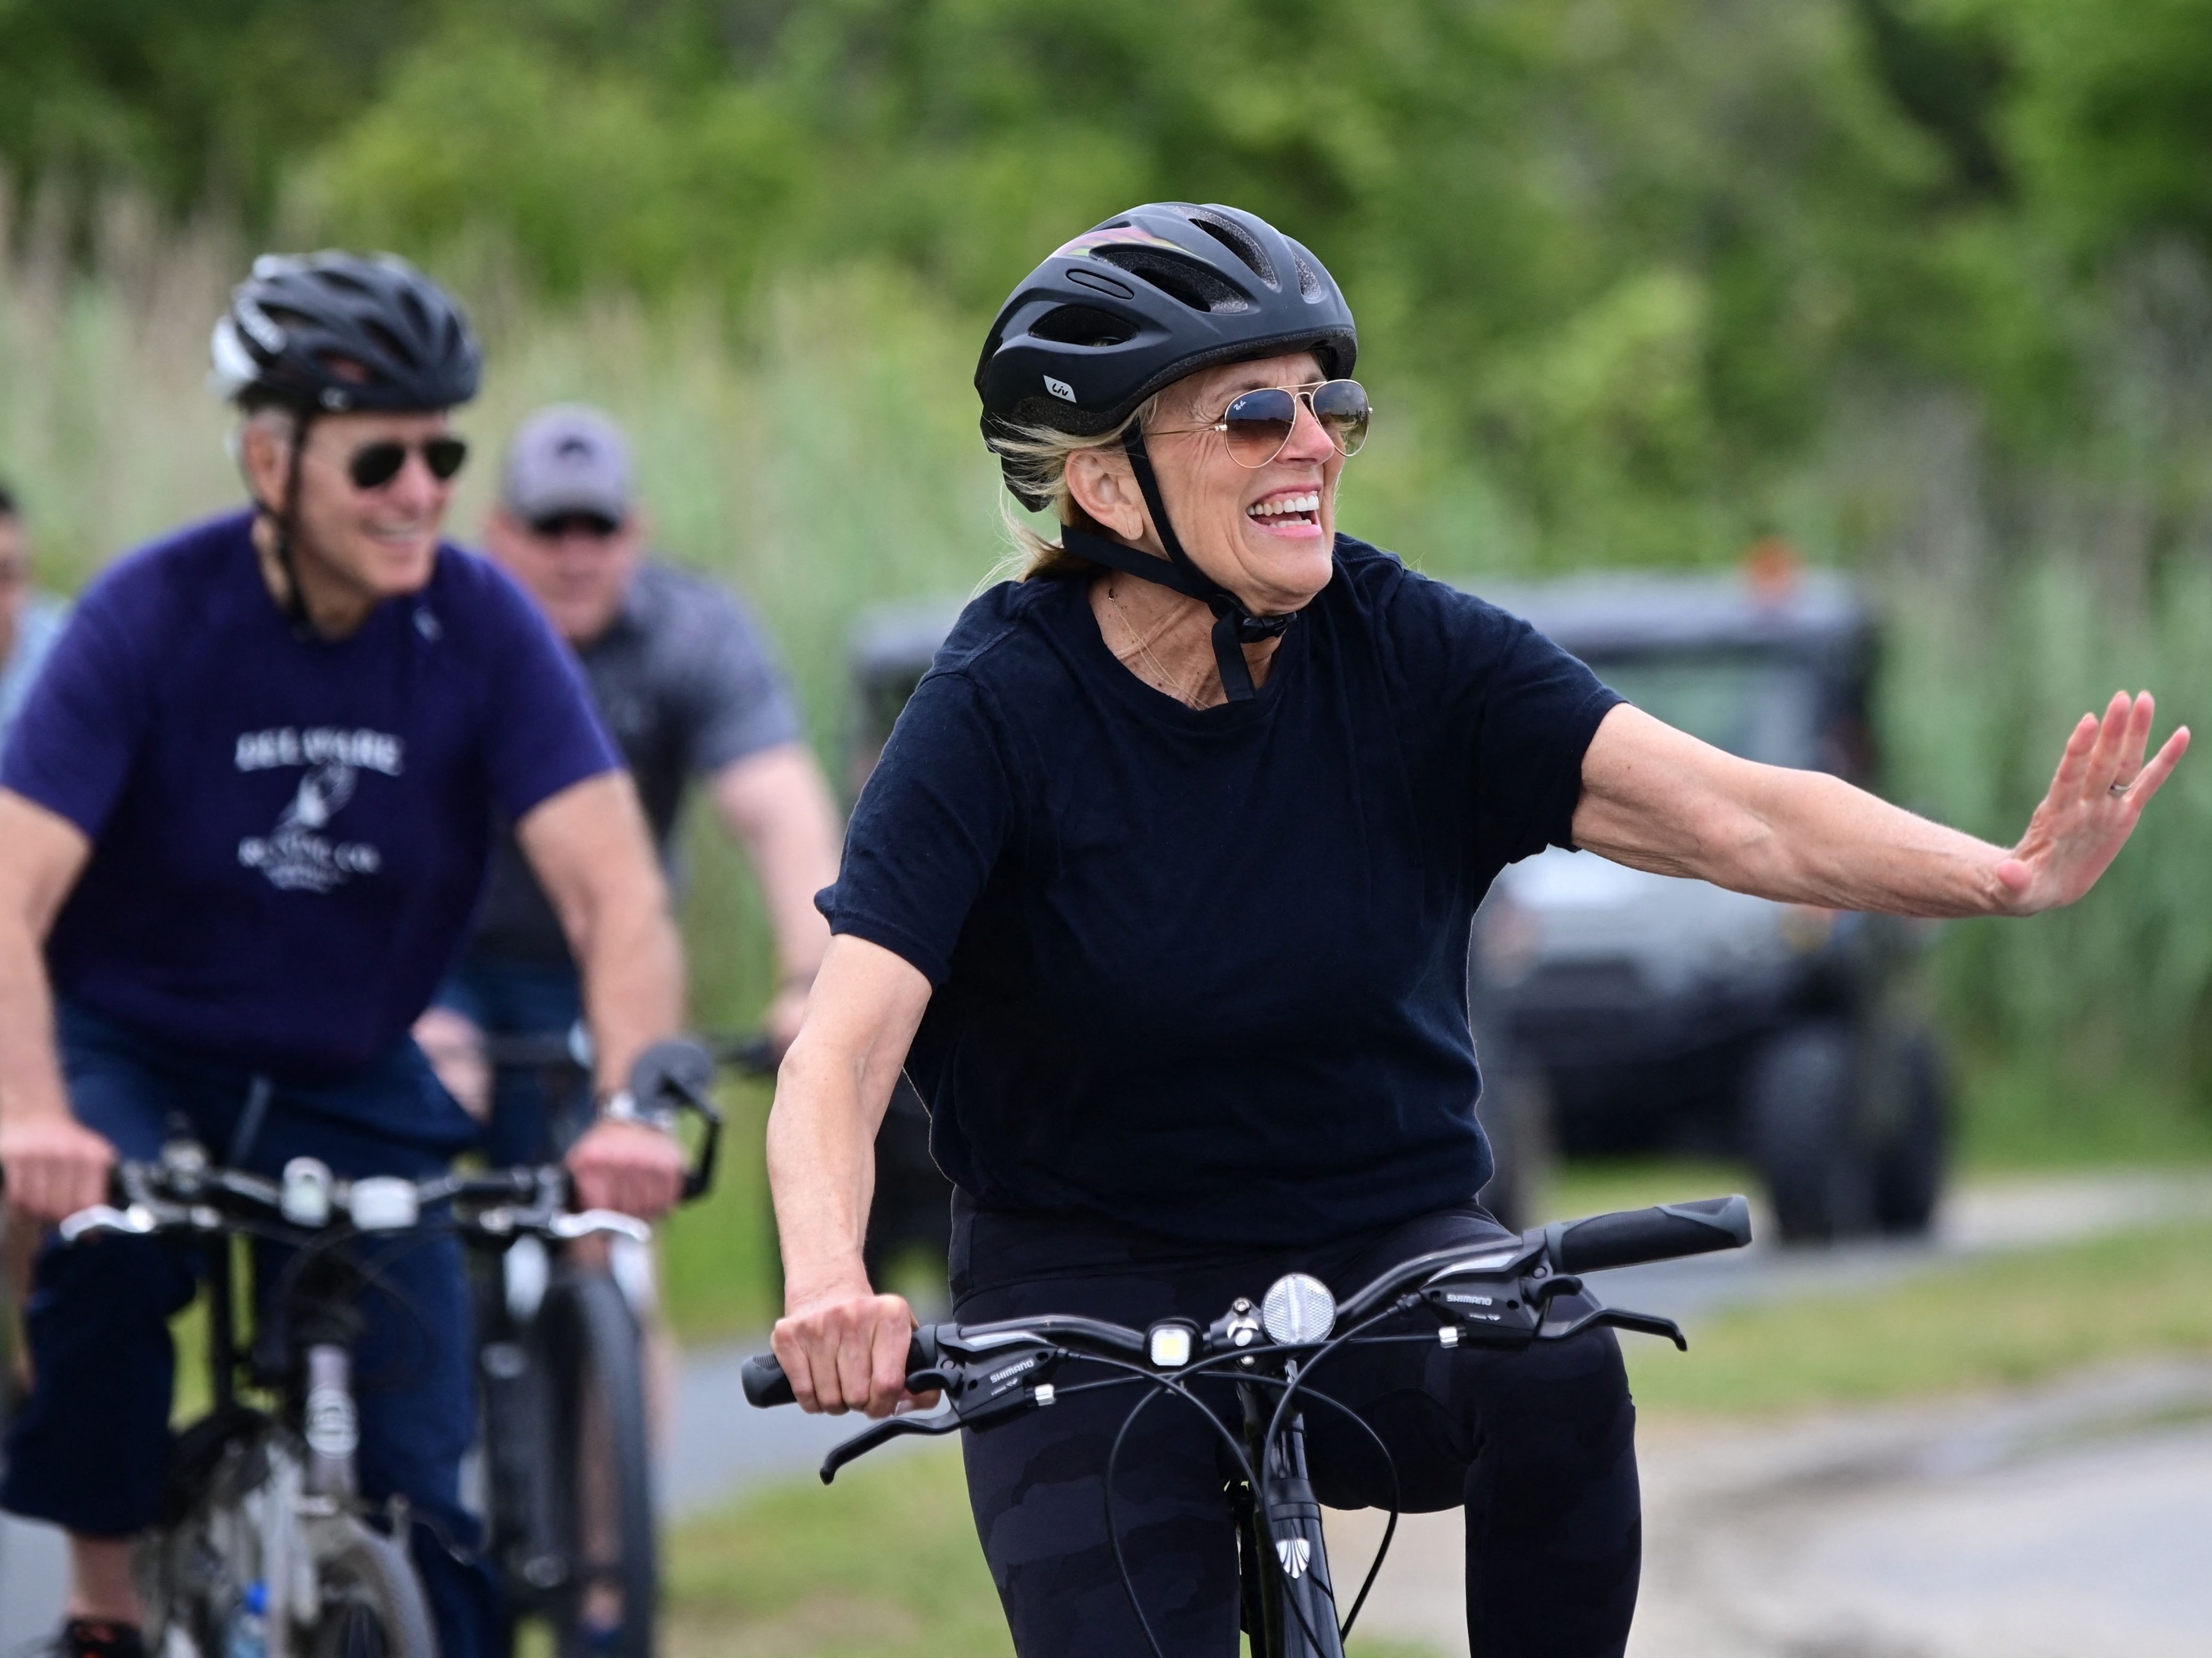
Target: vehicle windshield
(1751, 703)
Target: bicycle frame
(1289, 1592)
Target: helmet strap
(1234, 626)
(285, 520)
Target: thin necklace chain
(1174, 688)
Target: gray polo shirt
(687, 683)
(38, 625)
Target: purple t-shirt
(289, 835)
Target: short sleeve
(72, 747)
(735, 693)
(927, 829)
(542, 733)
(1521, 712)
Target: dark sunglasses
(562, 525)
(1257, 426)
(375, 465)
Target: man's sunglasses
(560, 525)
(375, 465)
(1257, 426)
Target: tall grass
(822, 455)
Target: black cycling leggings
(1538, 1446)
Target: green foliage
(1922, 283)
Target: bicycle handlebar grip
(766, 1385)
(765, 1382)
(1659, 1234)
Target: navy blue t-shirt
(1203, 973)
(288, 835)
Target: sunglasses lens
(1342, 407)
(375, 465)
(564, 525)
(1256, 425)
(444, 455)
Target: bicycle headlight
(1168, 1345)
(1298, 1310)
(384, 1202)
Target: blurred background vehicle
(1668, 1014)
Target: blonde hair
(1036, 463)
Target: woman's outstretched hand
(2103, 784)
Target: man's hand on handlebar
(629, 1166)
(846, 1350)
(53, 1166)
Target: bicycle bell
(1298, 1310)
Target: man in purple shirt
(247, 810)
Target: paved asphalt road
(721, 1447)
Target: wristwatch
(622, 1106)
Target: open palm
(2102, 788)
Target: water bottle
(249, 1629)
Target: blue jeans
(536, 1111)
(89, 1449)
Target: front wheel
(372, 1603)
(601, 1492)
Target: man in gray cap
(689, 687)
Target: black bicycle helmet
(1149, 296)
(331, 332)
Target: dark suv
(1668, 1014)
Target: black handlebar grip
(765, 1382)
(1649, 1235)
(766, 1385)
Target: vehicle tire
(1800, 1128)
(1909, 1165)
(373, 1603)
(602, 1510)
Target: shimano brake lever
(1620, 1318)
(881, 1434)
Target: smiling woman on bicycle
(1162, 895)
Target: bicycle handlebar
(1542, 1262)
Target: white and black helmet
(332, 332)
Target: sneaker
(96, 1637)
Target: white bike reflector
(1298, 1309)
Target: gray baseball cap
(567, 458)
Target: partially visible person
(246, 811)
(30, 621)
(690, 688)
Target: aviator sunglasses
(1257, 426)
(375, 465)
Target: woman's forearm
(1656, 799)
(1819, 840)
(821, 1171)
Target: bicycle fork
(1296, 1602)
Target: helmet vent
(1308, 284)
(1181, 279)
(1240, 241)
(1082, 324)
